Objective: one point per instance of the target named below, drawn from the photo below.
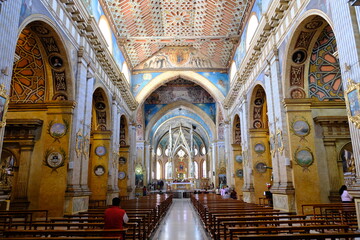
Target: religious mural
(179, 90)
(177, 58)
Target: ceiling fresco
(145, 27)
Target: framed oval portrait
(54, 160)
(260, 167)
(100, 151)
(121, 175)
(301, 128)
(304, 157)
(57, 130)
(240, 173)
(122, 160)
(239, 158)
(99, 170)
(259, 148)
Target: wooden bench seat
(294, 236)
(282, 229)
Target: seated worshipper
(233, 194)
(115, 217)
(345, 196)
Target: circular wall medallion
(99, 170)
(260, 167)
(100, 150)
(304, 157)
(122, 160)
(121, 175)
(299, 56)
(239, 158)
(258, 101)
(240, 173)
(57, 130)
(56, 62)
(54, 160)
(301, 128)
(100, 106)
(259, 148)
(257, 124)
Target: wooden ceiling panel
(150, 25)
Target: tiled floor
(181, 223)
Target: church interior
(126, 98)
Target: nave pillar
(282, 185)
(260, 156)
(248, 187)
(98, 181)
(10, 13)
(302, 150)
(213, 152)
(113, 189)
(230, 172)
(132, 159)
(78, 192)
(148, 166)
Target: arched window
(196, 170)
(106, 31)
(233, 70)
(159, 151)
(252, 26)
(126, 71)
(158, 170)
(204, 169)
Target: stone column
(282, 189)
(214, 163)
(10, 13)
(113, 190)
(230, 172)
(20, 193)
(132, 160)
(148, 166)
(77, 177)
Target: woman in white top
(345, 196)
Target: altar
(182, 186)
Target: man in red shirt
(115, 217)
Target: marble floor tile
(181, 223)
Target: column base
(284, 202)
(76, 204)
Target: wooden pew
(295, 236)
(64, 233)
(281, 229)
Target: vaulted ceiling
(143, 27)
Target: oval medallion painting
(239, 158)
(54, 160)
(100, 151)
(304, 158)
(301, 128)
(57, 130)
(121, 175)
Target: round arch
(293, 88)
(174, 105)
(171, 75)
(60, 40)
(98, 106)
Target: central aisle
(181, 223)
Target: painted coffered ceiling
(144, 27)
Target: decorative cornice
(87, 25)
(272, 19)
